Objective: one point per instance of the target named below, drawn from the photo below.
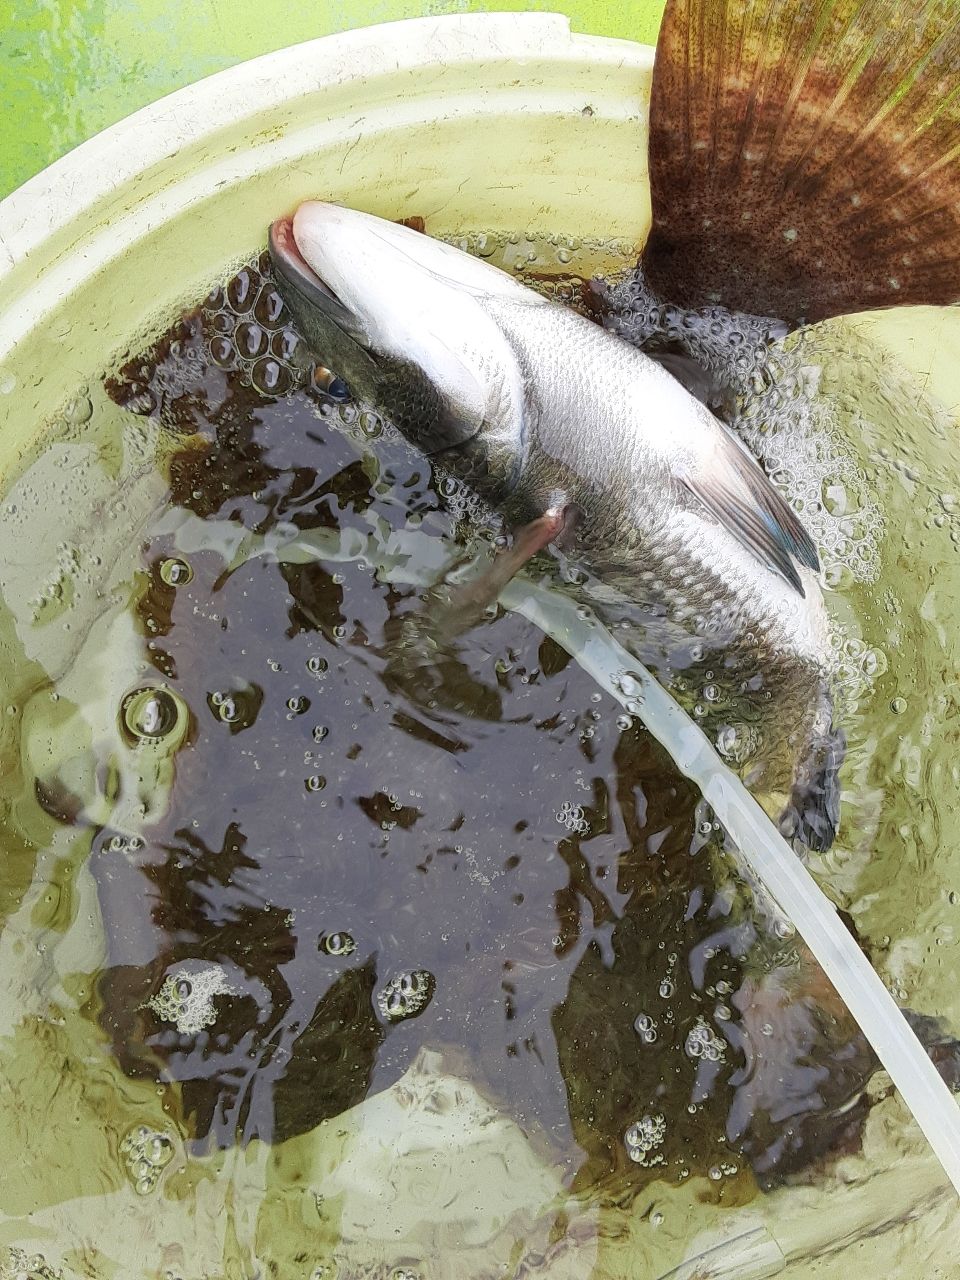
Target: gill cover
(805, 155)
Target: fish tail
(805, 157)
(812, 814)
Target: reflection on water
(272, 897)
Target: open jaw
(290, 263)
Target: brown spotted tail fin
(805, 155)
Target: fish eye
(328, 382)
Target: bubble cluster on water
(572, 818)
(464, 504)
(857, 665)
(186, 998)
(733, 346)
(643, 1139)
(20, 1265)
(406, 995)
(703, 1042)
(360, 422)
(247, 332)
(792, 428)
(555, 265)
(146, 1153)
(74, 569)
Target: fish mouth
(292, 266)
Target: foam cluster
(186, 998)
(703, 1042)
(146, 1153)
(406, 995)
(644, 1138)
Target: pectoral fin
(805, 155)
(736, 492)
(424, 657)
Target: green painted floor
(69, 68)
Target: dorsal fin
(805, 155)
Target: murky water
(306, 973)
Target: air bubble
(338, 944)
(222, 352)
(269, 377)
(371, 424)
(251, 339)
(79, 410)
(284, 345)
(238, 709)
(317, 666)
(175, 572)
(242, 289)
(269, 307)
(316, 782)
(737, 742)
(150, 714)
(628, 684)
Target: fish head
(406, 321)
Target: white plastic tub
(488, 122)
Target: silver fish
(576, 435)
(802, 160)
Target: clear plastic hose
(768, 856)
